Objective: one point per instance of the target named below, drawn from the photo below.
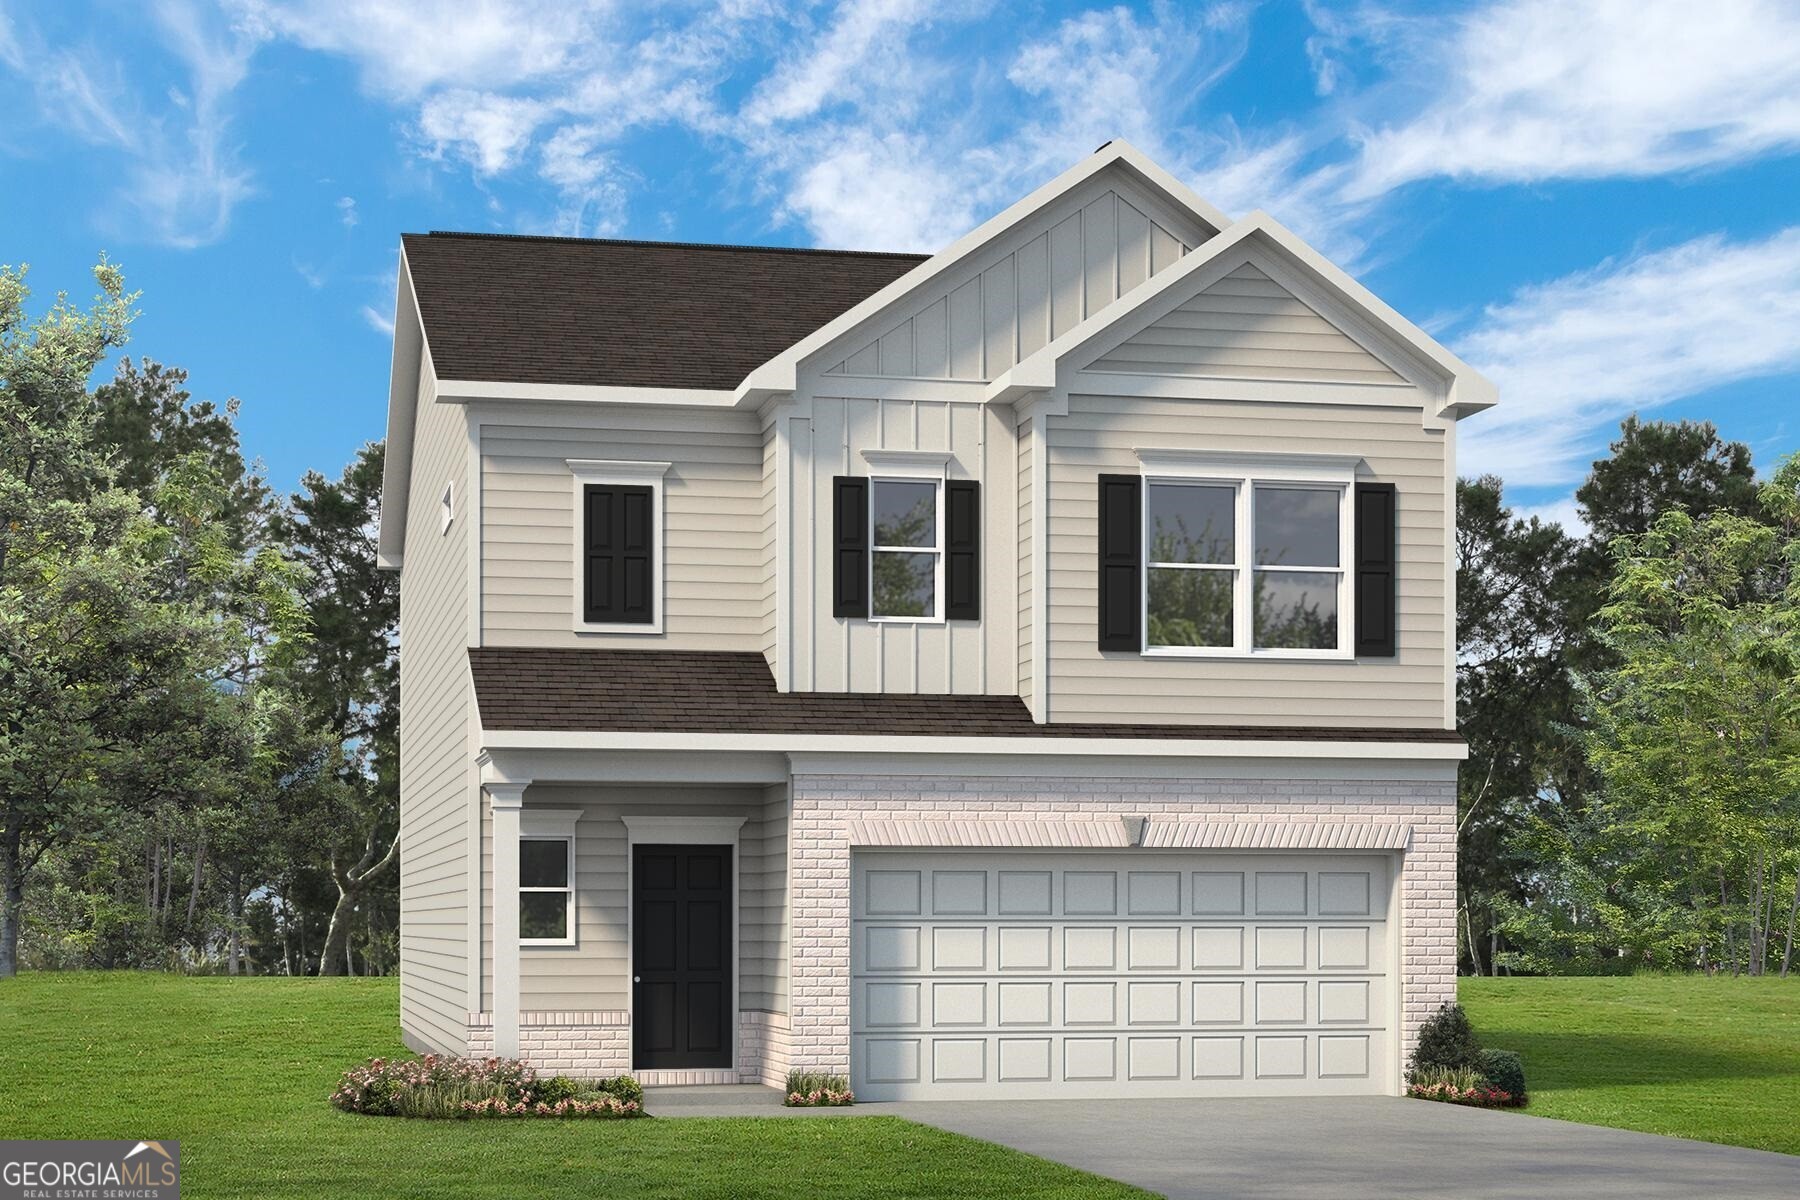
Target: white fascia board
(411, 357)
(468, 391)
(494, 741)
(1467, 390)
(781, 373)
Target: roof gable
(1011, 296)
(1246, 326)
(1394, 353)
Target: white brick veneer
(820, 845)
(597, 1045)
(583, 1045)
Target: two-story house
(1022, 671)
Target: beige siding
(1101, 434)
(930, 658)
(593, 974)
(1095, 249)
(713, 573)
(435, 792)
(770, 516)
(1247, 326)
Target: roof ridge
(736, 247)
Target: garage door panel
(1077, 974)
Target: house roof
(629, 314)
(657, 691)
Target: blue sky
(1597, 203)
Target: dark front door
(681, 956)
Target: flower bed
(808, 1090)
(460, 1088)
(1449, 1093)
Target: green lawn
(1713, 1059)
(238, 1071)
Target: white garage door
(1004, 973)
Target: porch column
(504, 801)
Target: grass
(1713, 1059)
(238, 1070)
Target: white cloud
(1573, 356)
(346, 206)
(183, 173)
(1539, 89)
(1564, 512)
(824, 71)
(407, 48)
(488, 130)
(380, 322)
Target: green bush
(809, 1089)
(555, 1089)
(1505, 1070)
(1446, 1040)
(622, 1088)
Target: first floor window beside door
(546, 891)
(1243, 566)
(906, 550)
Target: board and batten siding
(1101, 434)
(836, 654)
(713, 573)
(594, 974)
(1100, 242)
(1246, 326)
(435, 788)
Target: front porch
(650, 932)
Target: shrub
(622, 1088)
(435, 1087)
(1446, 1040)
(808, 1089)
(1458, 1085)
(1505, 1071)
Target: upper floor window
(906, 559)
(1242, 565)
(618, 554)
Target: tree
(349, 678)
(1696, 730)
(114, 627)
(1515, 699)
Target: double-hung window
(1245, 565)
(906, 550)
(547, 891)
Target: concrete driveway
(1349, 1149)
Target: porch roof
(684, 691)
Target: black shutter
(962, 545)
(849, 546)
(1121, 562)
(1375, 570)
(620, 582)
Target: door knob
(637, 979)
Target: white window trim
(551, 825)
(1242, 473)
(447, 507)
(585, 472)
(906, 466)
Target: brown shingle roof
(626, 314)
(675, 691)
